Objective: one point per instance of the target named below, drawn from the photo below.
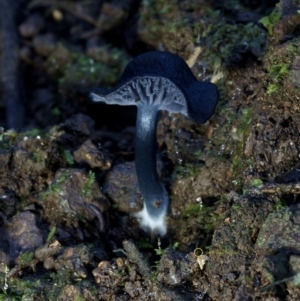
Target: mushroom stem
(154, 194)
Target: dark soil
(68, 189)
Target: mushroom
(156, 81)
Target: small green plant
(192, 210)
(278, 71)
(272, 88)
(198, 153)
(276, 74)
(37, 157)
(79, 298)
(25, 258)
(56, 112)
(33, 133)
(223, 40)
(187, 170)
(175, 245)
(56, 186)
(9, 135)
(66, 155)
(256, 183)
(7, 297)
(159, 251)
(269, 21)
(279, 205)
(5, 286)
(87, 187)
(51, 233)
(235, 207)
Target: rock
(23, 234)
(80, 123)
(111, 16)
(232, 247)
(26, 54)
(72, 196)
(75, 259)
(280, 231)
(31, 26)
(135, 256)
(47, 250)
(121, 186)
(174, 267)
(77, 130)
(44, 44)
(28, 163)
(4, 260)
(88, 155)
(294, 262)
(110, 274)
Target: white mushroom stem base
(147, 222)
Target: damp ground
(68, 187)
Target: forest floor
(68, 187)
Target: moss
(22, 289)
(37, 157)
(278, 71)
(82, 68)
(275, 75)
(8, 136)
(191, 210)
(33, 133)
(256, 183)
(279, 205)
(25, 258)
(80, 298)
(9, 297)
(269, 21)
(204, 215)
(49, 287)
(272, 88)
(240, 133)
(66, 155)
(282, 74)
(155, 15)
(56, 112)
(55, 187)
(178, 38)
(229, 142)
(75, 70)
(87, 187)
(187, 170)
(51, 234)
(227, 44)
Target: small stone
(31, 26)
(104, 265)
(111, 16)
(121, 186)
(26, 54)
(23, 233)
(57, 15)
(88, 154)
(120, 262)
(48, 263)
(44, 44)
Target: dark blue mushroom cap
(200, 97)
